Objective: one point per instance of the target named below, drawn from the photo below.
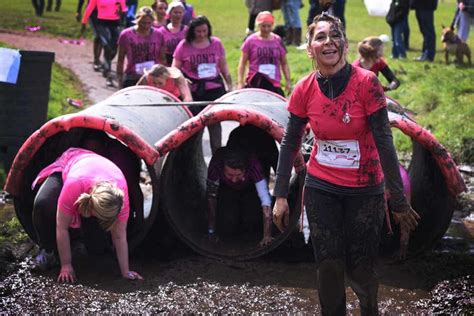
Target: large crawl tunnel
(435, 182)
(253, 118)
(123, 128)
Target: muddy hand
(408, 221)
(132, 275)
(67, 274)
(281, 213)
(265, 241)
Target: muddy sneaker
(45, 260)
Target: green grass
(11, 232)
(442, 95)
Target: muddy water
(280, 282)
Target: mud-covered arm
(290, 146)
(383, 138)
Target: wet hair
(236, 158)
(106, 200)
(143, 12)
(336, 25)
(369, 47)
(334, 21)
(198, 21)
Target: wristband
(210, 231)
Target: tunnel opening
(141, 178)
(184, 203)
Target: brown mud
(184, 282)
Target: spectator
(466, 18)
(424, 11)
(397, 18)
(290, 9)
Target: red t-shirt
(344, 151)
(378, 66)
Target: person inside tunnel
(236, 192)
(80, 192)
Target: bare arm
(119, 239)
(120, 62)
(184, 90)
(286, 72)
(177, 63)
(225, 72)
(67, 273)
(244, 57)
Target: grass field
(442, 95)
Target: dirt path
(77, 58)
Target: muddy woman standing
(352, 152)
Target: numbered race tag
(338, 153)
(207, 71)
(140, 67)
(268, 69)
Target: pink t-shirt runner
(172, 39)
(201, 63)
(344, 151)
(264, 56)
(142, 51)
(81, 169)
(106, 9)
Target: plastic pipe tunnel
(123, 129)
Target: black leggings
(108, 32)
(45, 208)
(345, 234)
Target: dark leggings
(345, 233)
(44, 219)
(108, 32)
(39, 6)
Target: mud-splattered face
(265, 28)
(327, 47)
(234, 175)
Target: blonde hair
(143, 12)
(369, 47)
(105, 200)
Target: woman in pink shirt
(108, 16)
(266, 54)
(160, 7)
(143, 46)
(174, 31)
(201, 58)
(81, 190)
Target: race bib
(268, 69)
(140, 67)
(207, 71)
(338, 153)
